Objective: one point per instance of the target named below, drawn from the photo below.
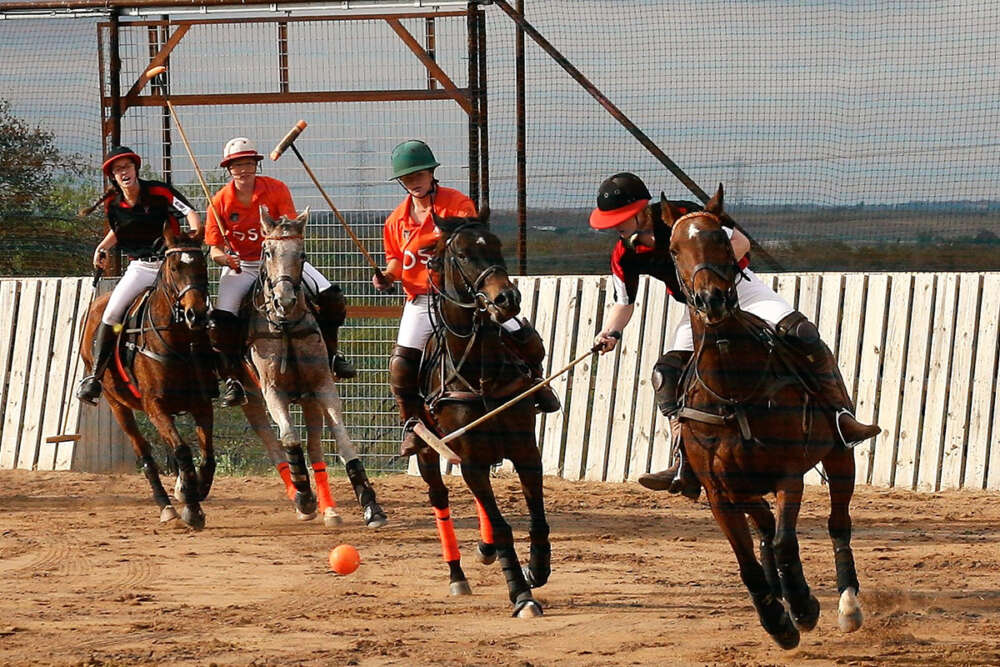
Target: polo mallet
(289, 142)
(440, 445)
(160, 69)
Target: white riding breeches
(415, 326)
(139, 275)
(755, 297)
(234, 286)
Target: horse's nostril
(501, 299)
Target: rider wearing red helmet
(409, 236)
(643, 247)
(136, 216)
(239, 203)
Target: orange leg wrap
(485, 527)
(446, 532)
(322, 486)
(286, 477)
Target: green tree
(41, 189)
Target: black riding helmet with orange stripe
(117, 153)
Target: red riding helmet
(618, 199)
(117, 153)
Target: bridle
(472, 297)
(268, 286)
(176, 310)
(729, 272)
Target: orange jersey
(412, 242)
(242, 223)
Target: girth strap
(738, 415)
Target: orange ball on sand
(344, 559)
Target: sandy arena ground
(90, 577)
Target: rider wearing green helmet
(410, 236)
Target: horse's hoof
(304, 516)
(786, 636)
(305, 504)
(807, 620)
(374, 516)
(168, 514)
(486, 553)
(195, 519)
(527, 608)
(459, 588)
(849, 611)
(330, 518)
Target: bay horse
(468, 369)
(290, 360)
(750, 427)
(171, 369)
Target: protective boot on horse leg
(374, 516)
(404, 378)
(804, 336)
(331, 314)
(529, 346)
(678, 478)
(104, 345)
(225, 336)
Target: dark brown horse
(469, 369)
(170, 374)
(751, 427)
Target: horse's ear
(667, 214)
(266, 221)
(302, 219)
(168, 234)
(484, 215)
(714, 205)
(446, 225)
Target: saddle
(786, 366)
(508, 379)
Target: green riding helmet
(410, 157)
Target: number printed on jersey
(251, 234)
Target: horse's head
(185, 278)
(282, 255)
(703, 254)
(470, 261)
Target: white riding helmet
(237, 148)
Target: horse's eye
(302, 256)
(266, 253)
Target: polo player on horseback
(410, 236)
(137, 211)
(239, 203)
(643, 247)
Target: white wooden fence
(918, 351)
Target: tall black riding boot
(224, 334)
(104, 345)
(531, 349)
(374, 516)
(404, 378)
(331, 314)
(678, 478)
(805, 337)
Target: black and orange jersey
(139, 228)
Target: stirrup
(412, 443)
(234, 395)
(343, 368)
(840, 433)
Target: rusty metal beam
(292, 98)
(432, 67)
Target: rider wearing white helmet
(239, 203)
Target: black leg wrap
(516, 585)
(373, 513)
(206, 475)
(774, 620)
(152, 473)
(770, 569)
(191, 514)
(305, 499)
(847, 576)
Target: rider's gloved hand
(607, 340)
(383, 281)
(233, 262)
